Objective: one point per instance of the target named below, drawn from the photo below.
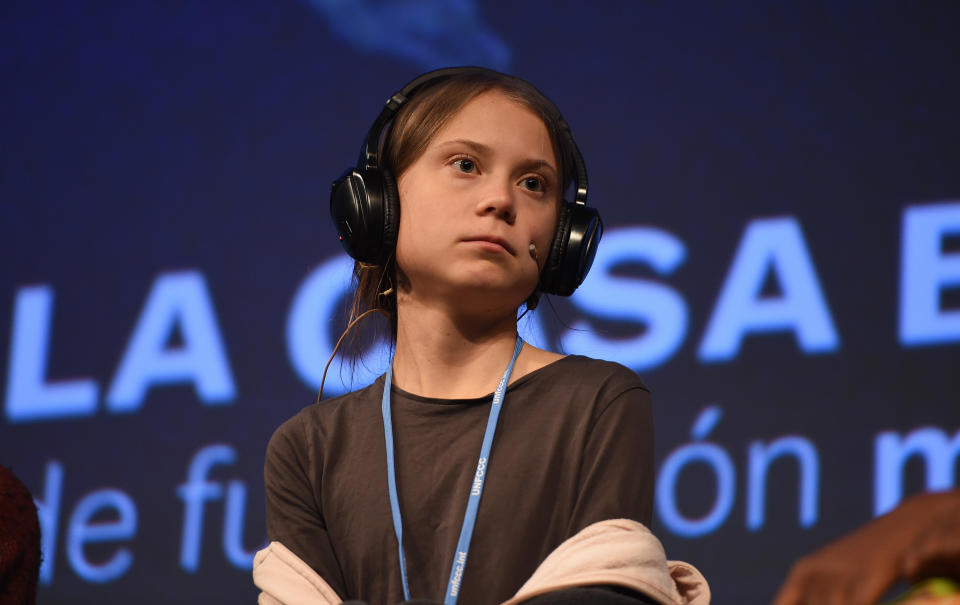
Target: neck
(440, 354)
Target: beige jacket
(614, 552)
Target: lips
(493, 239)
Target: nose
(497, 199)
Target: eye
(465, 165)
(533, 183)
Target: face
(485, 188)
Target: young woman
(379, 491)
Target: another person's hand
(920, 538)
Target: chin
(490, 294)
(478, 286)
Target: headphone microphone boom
(533, 255)
(365, 207)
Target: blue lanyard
(476, 489)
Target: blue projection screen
(781, 264)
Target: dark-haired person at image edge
(478, 469)
(20, 556)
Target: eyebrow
(482, 149)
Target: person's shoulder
(313, 419)
(598, 371)
(584, 387)
(346, 401)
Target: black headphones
(365, 208)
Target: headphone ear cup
(579, 230)
(391, 217)
(364, 209)
(552, 268)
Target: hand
(936, 550)
(918, 539)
